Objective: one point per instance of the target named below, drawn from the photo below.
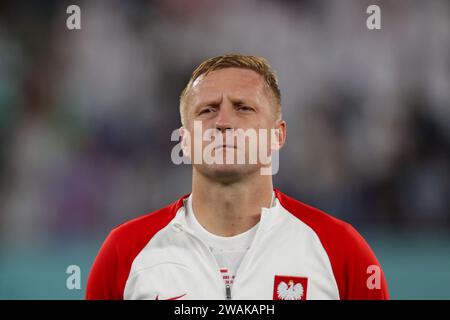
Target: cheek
(268, 134)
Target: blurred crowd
(86, 115)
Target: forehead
(230, 81)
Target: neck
(228, 210)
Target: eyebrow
(208, 102)
(217, 101)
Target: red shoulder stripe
(349, 254)
(111, 268)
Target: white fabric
(174, 262)
(228, 251)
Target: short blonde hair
(255, 63)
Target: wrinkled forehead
(230, 81)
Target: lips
(225, 146)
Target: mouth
(225, 146)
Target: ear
(279, 136)
(185, 142)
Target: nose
(224, 118)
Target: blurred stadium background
(86, 118)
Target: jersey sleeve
(357, 271)
(106, 279)
(111, 268)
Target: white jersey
(297, 253)
(228, 251)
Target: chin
(227, 173)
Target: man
(234, 236)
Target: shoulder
(112, 265)
(350, 255)
(324, 225)
(141, 229)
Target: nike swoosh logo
(174, 298)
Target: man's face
(223, 101)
